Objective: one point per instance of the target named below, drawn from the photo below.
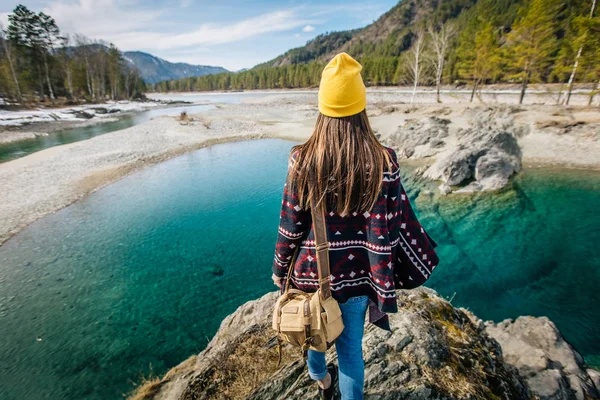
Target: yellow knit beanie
(342, 92)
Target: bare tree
(576, 63)
(440, 44)
(65, 58)
(415, 65)
(8, 52)
(83, 45)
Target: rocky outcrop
(553, 369)
(419, 138)
(481, 156)
(434, 352)
(486, 156)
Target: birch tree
(415, 64)
(440, 40)
(65, 58)
(9, 56)
(83, 47)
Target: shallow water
(138, 276)
(14, 150)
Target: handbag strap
(322, 247)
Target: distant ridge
(154, 69)
(388, 36)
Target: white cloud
(102, 19)
(210, 34)
(297, 35)
(132, 26)
(308, 28)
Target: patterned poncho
(371, 253)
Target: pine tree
(585, 36)
(588, 39)
(24, 34)
(532, 43)
(49, 35)
(479, 59)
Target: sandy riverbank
(49, 180)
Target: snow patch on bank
(78, 113)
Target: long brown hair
(342, 162)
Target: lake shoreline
(59, 176)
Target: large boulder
(486, 156)
(419, 138)
(434, 352)
(553, 369)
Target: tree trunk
(41, 82)
(475, 84)
(593, 93)
(524, 85)
(69, 81)
(88, 78)
(560, 90)
(12, 71)
(572, 77)
(48, 77)
(438, 92)
(126, 86)
(576, 63)
(134, 86)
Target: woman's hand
(278, 281)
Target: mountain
(483, 46)
(154, 69)
(388, 36)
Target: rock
(216, 270)
(434, 352)
(494, 168)
(488, 152)
(553, 369)
(444, 189)
(426, 132)
(595, 377)
(82, 114)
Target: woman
(376, 243)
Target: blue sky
(232, 34)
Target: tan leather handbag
(310, 320)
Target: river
(118, 286)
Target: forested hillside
(38, 63)
(435, 42)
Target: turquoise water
(138, 276)
(11, 151)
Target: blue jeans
(349, 350)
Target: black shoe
(327, 394)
